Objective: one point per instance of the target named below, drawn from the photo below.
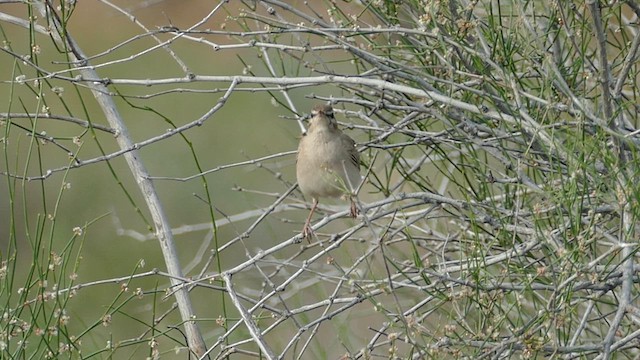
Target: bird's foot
(307, 231)
(353, 211)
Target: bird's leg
(306, 229)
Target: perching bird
(328, 163)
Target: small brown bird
(328, 163)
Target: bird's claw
(307, 232)
(353, 211)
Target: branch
(139, 172)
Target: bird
(328, 163)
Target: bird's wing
(350, 145)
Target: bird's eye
(329, 113)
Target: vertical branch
(622, 188)
(139, 172)
(594, 8)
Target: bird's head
(322, 116)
